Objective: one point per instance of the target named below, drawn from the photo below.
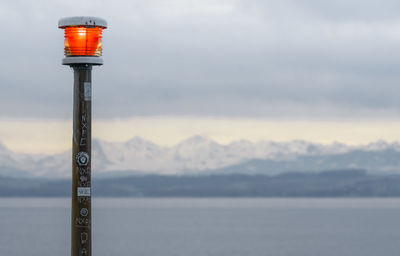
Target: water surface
(201, 227)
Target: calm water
(201, 227)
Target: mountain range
(201, 155)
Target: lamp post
(83, 48)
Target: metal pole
(81, 220)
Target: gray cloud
(293, 59)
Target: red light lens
(83, 41)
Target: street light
(82, 48)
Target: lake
(202, 227)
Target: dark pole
(81, 222)
(82, 49)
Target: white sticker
(83, 191)
(87, 88)
(82, 158)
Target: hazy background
(320, 78)
(227, 69)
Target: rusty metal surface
(81, 221)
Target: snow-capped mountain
(199, 154)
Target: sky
(322, 71)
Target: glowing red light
(83, 41)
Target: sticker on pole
(87, 91)
(83, 191)
(82, 158)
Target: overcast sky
(291, 60)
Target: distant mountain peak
(3, 147)
(139, 140)
(201, 154)
(197, 139)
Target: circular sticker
(82, 159)
(84, 212)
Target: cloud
(293, 59)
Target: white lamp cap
(82, 21)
